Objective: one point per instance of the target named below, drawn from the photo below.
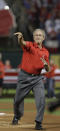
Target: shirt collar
(36, 45)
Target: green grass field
(28, 100)
(13, 91)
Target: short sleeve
(27, 46)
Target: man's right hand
(19, 35)
(20, 38)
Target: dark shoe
(15, 121)
(38, 126)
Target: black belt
(29, 73)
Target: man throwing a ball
(35, 58)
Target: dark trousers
(26, 83)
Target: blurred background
(25, 16)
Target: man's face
(38, 36)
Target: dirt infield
(50, 122)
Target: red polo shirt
(31, 62)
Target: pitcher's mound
(2, 114)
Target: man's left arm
(46, 65)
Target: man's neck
(40, 45)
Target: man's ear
(43, 38)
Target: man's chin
(39, 42)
